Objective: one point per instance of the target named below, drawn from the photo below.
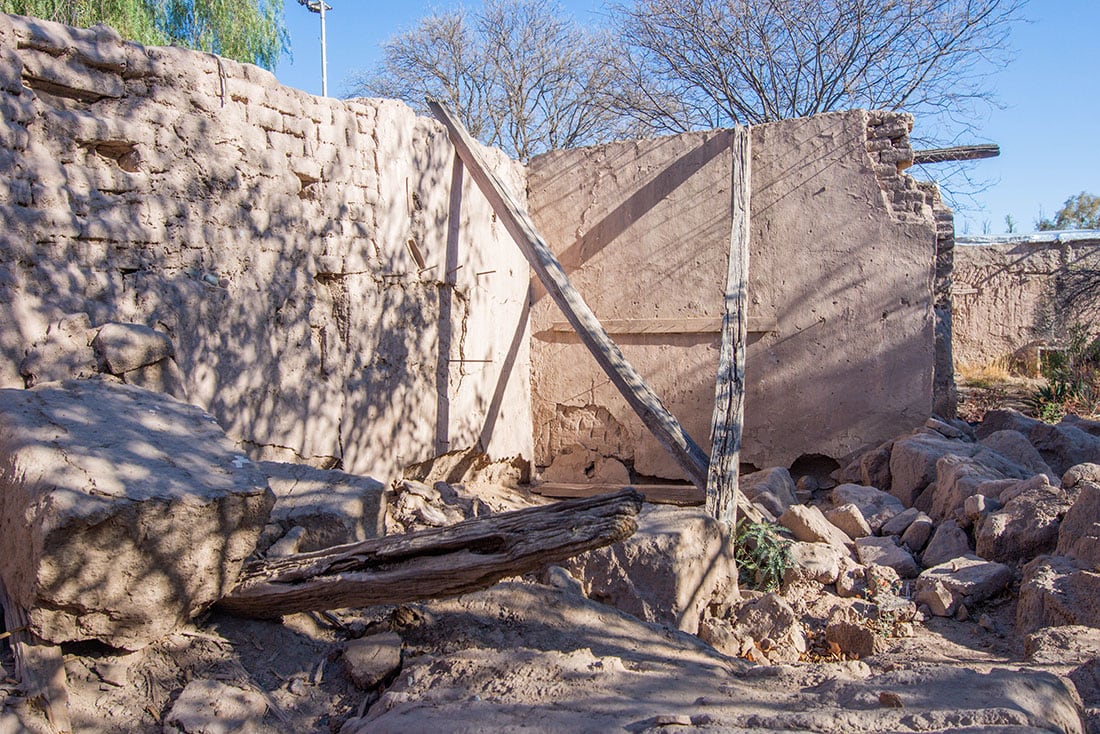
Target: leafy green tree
(1079, 212)
(246, 30)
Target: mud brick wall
(842, 288)
(1014, 291)
(337, 290)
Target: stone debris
(884, 551)
(809, 525)
(370, 660)
(948, 542)
(848, 518)
(218, 707)
(1027, 524)
(876, 506)
(966, 580)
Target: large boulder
(1026, 526)
(959, 477)
(913, 462)
(1065, 445)
(123, 512)
(773, 489)
(1079, 533)
(1015, 447)
(875, 505)
(809, 525)
(1056, 591)
(968, 580)
(678, 562)
(886, 552)
(948, 542)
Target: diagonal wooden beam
(656, 417)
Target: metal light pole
(319, 6)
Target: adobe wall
(267, 233)
(841, 283)
(1012, 291)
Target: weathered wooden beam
(430, 564)
(685, 495)
(956, 153)
(683, 325)
(729, 391)
(653, 413)
(39, 666)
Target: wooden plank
(430, 564)
(685, 495)
(683, 325)
(39, 666)
(729, 399)
(641, 398)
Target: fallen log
(430, 564)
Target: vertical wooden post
(729, 398)
(38, 665)
(664, 426)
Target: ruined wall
(843, 252)
(1012, 291)
(270, 234)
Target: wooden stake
(729, 398)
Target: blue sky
(1050, 147)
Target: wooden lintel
(956, 153)
(685, 495)
(682, 325)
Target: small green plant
(1073, 378)
(762, 555)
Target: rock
(1055, 591)
(414, 505)
(218, 707)
(817, 561)
(848, 518)
(886, 552)
(969, 579)
(977, 506)
(1079, 532)
(1056, 645)
(935, 595)
(678, 562)
(332, 507)
(121, 348)
(1079, 473)
(1065, 445)
(853, 640)
(850, 581)
(123, 512)
(916, 536)
(163, 376)
(1015, 447)
(1085, 424)
(370, 660)
(958, 477)
(875, 505)
(810, 526)
(1005, 420)
(65, 353)
(949, 541)
(946, 429)
(770, 617)
(874, 467)
(900, 522)
(913, 462)
(776, 482)
(1026, 526)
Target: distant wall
(1012, 291)
(269, 234)
(841, 287)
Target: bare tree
(691, 64)
(521, 74)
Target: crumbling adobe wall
(270, 234)
(1012, 291)
(841, 287)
